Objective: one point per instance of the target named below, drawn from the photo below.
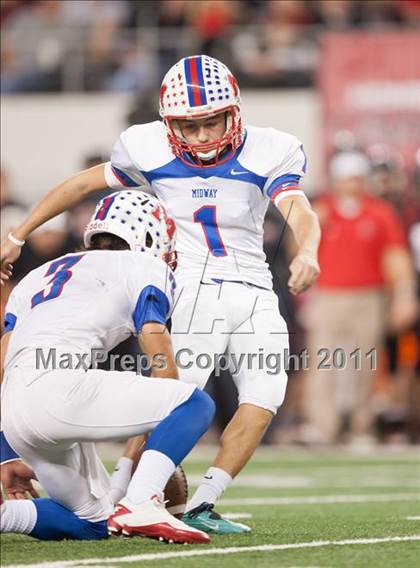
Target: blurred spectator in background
(123, 45)
(172, 13)
(211, 20)
(136, 72)
(333, 15)
(363, 255)
(281, 52)
(9, 8)
(102, 20)
(39, 30)
(378, 13)
(411, 11)
(173, 23)
(390, 182)
(42, 44)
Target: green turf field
(303, 507)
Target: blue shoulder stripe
(9, 321)
(124, 178)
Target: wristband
(7, 454)
(14, 240)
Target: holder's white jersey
(219, 210)
(85, 301)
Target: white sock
(18, 516)
(151, 476)
(120, 479)
(211, 487)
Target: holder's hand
(16, 479)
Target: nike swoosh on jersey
(233, 172)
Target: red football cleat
(114, 528)
(151, 519)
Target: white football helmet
(139, 219)
(199, 87)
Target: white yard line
(261, 481)
(207, 452)
(215, 551)
(413, 518)
(317, 481)
(234, 516)
(321, 500)
(271, 453)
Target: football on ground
(176, 493)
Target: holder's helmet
(139, 219)
(200, 87)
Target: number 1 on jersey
(206, 216)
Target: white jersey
(219, 210)
(85, 301)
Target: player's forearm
(63, 197)
(156, 343)
(165, 367)
(306, 230)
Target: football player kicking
(55, 408)
(216, 179)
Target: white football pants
(53, 422)
(241, 320)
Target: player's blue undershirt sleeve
(152, 306)
(9, 321)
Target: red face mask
(170, 255)
(223, 148)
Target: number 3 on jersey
(61, 273)
(206, 216)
